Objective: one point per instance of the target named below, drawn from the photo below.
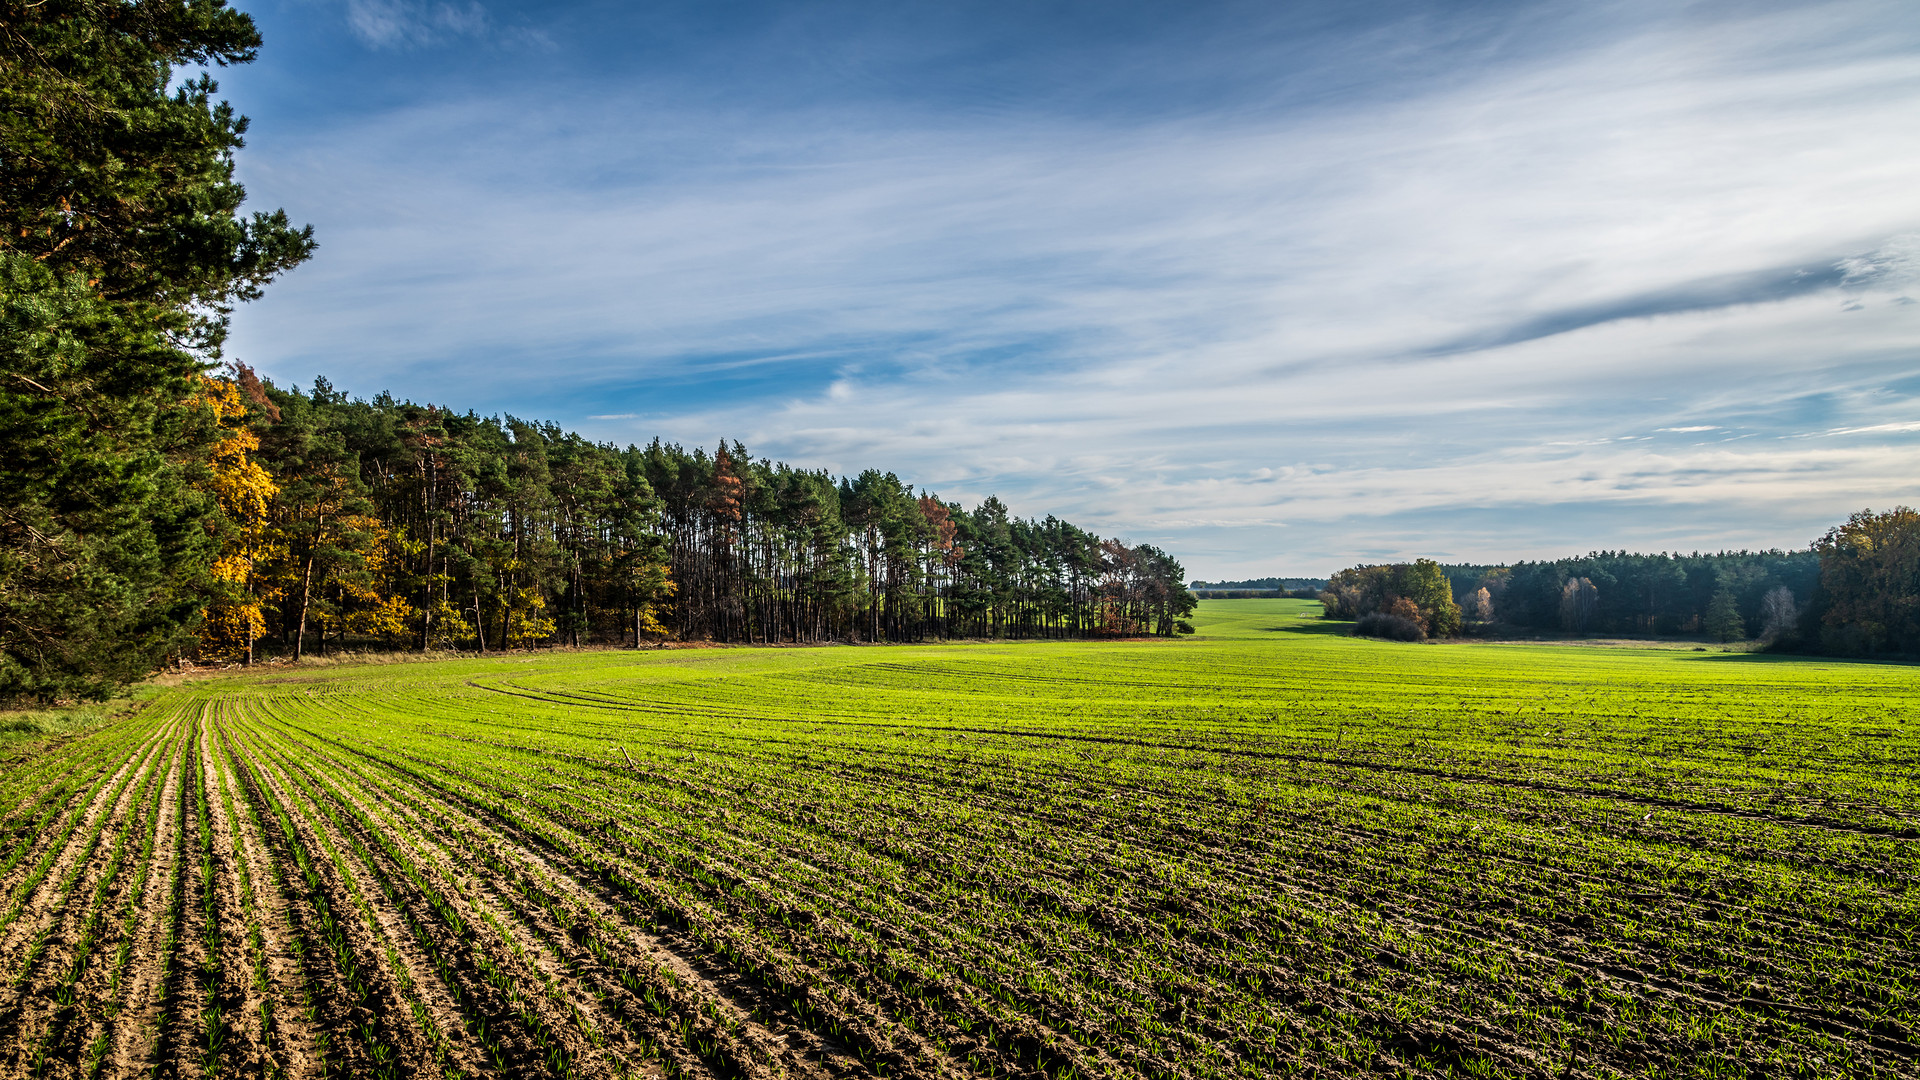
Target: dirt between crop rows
(53, 917)
(516, 936)
(1668, 982)
(788, 1050)
(279, 1039)
(135, 1010)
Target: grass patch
(24, 726)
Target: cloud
(411, 24)
(1726, 290)
(1472, 295)
(1893, 266)
(1871, 429)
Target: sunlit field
(1268, 850)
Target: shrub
(1381, 624)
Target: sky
(1279, 287)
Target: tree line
(416, 526)
(1266, 584)
(1259, 589)
(1854, 591)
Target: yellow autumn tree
(524, 617)
(448, 627)
(527, 618)
(653, 589)
(244, 491)
(361, 605)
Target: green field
(1270, 850)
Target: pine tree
(1722, 621)
(121, 252)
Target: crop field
(1269, 851)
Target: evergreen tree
(1641, 594)
(388, 519)
(1723, 621)
(121, 252)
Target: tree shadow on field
(1800, 658)
(1312, 626)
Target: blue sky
(1279, 287)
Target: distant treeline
(1854, 591)
(1723, 594)
(1259, 587)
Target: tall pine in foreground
(122, 251)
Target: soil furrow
(281, 1040)
(42, 1001)
(138, 1000)
(566, 953)
(377, 1032)
(723, 982)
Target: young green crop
(1271, 850)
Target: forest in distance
(387, 524)
(1855, 591)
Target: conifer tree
(1723, 621)
(121, 252)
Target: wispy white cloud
(389, 24)
(415, 24)
(1870, 429)
(1472, 298)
